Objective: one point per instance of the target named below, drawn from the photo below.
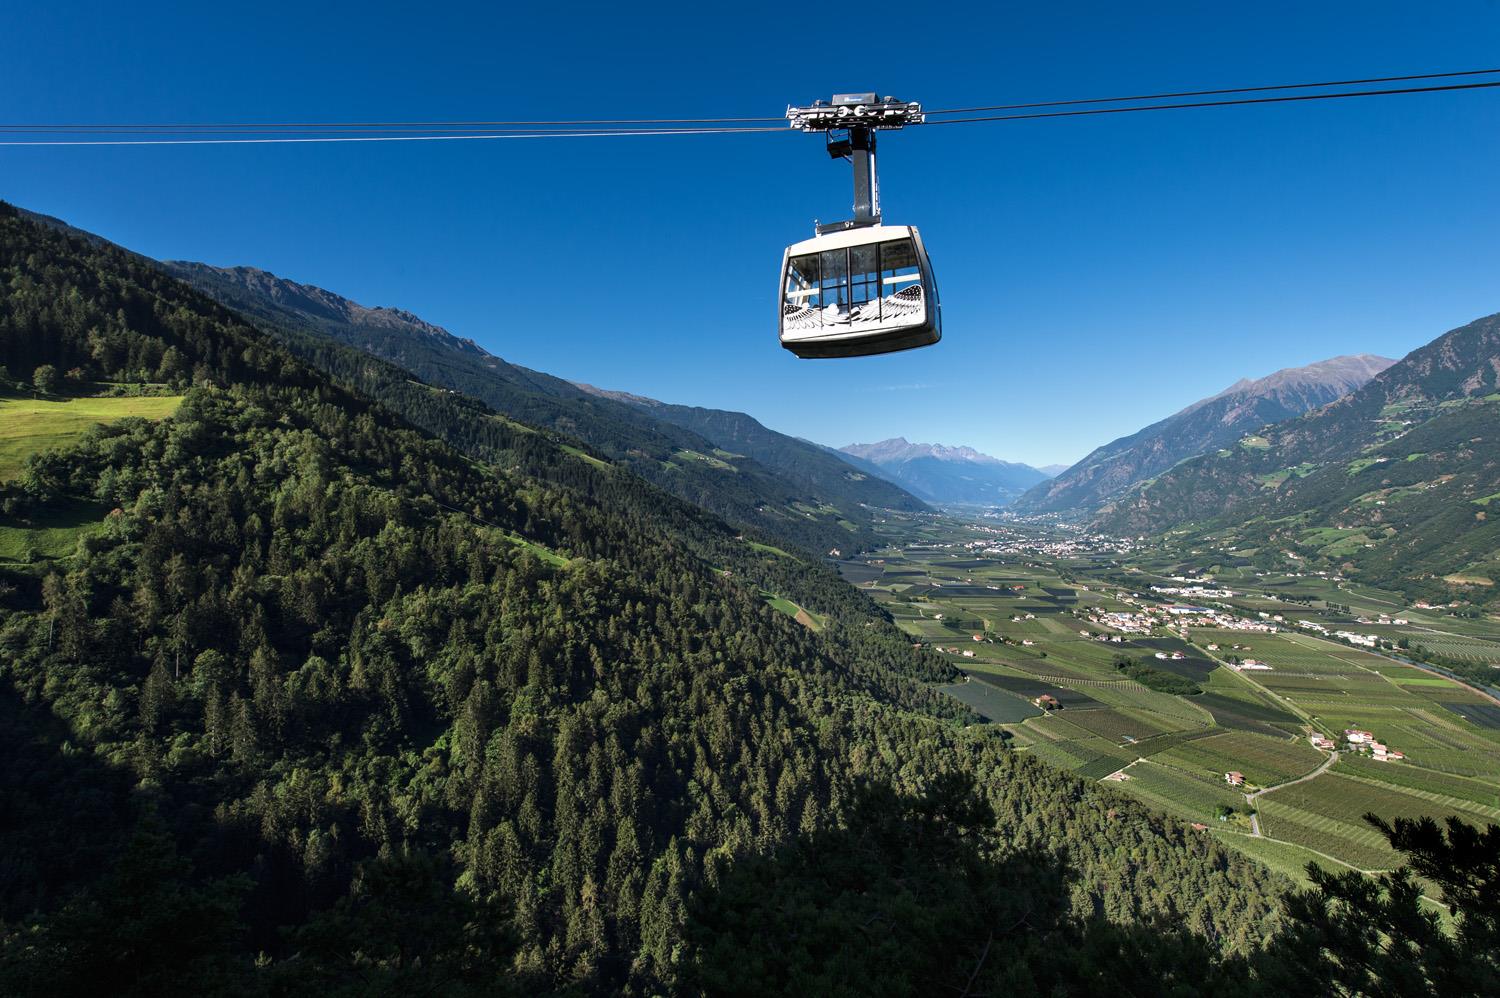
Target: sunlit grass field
(31, 426)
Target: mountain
(338, 683)
(720, 461)
(957, 475)
(1206, 425)
(1053, 470)
(1390, 484)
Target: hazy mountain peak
(943, 474)
(901, 449)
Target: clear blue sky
(1097, 273)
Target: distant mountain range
(725, 462)
(941, 474)
(1204, 426)
(1391, 484)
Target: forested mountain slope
(323, 688)
(759, 479)
(1204, 426)
(1390, 483)
(816, 469)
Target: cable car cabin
(858, 292)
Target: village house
(1321, 742)
(1234, 778)
(1356, 737)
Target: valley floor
(1247, 734)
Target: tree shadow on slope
(912, 897)
(63, 810)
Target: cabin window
(858, 284)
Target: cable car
(858, 287)
(858, 292)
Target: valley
(1037, 625)
(246, 560)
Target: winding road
(1333, 757)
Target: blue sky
(1096, 273)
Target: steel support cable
(545, 130)
(1211, 103)
(1216, 93)
(306, 139)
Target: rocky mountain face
(314, 302)
(1206, 425)
(943, 474)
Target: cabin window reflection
(835, 274)
(864, 274)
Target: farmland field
(992, 703)
(1181, 793)
(1264, 761)
(1173, 749)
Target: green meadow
(31, 426)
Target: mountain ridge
(748, 474)
(1389, 483)
(1207, 424)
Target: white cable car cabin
(857, 292)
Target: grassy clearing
(52, 536)
(31, 426)
(803, 616)
(769, 549)
(591, 459)
(712, 462)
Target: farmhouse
(1234, 778)
(1321, 742)
(1047, 702)
(1356, 737)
